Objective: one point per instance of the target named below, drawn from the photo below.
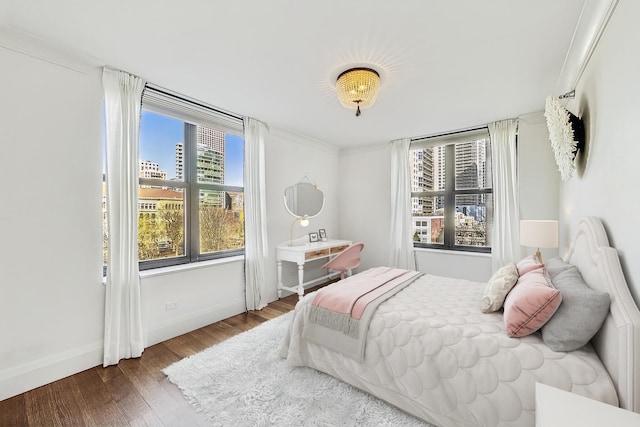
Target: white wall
(608, 99)
(538, 176)
(364, 211)
(51, 291)
(52, 297)
(202, 295)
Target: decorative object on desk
(322, 234)
(304, 222)
(539, 234)
(313, 237)
(566, 132)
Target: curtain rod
(191, 100)
(438, 135)
(471, 129)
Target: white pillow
(498, 287)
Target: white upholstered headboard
(618, 341)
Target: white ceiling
(445, 64)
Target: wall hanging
(566, 132)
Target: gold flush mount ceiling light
(358, 88)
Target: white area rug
(243, 382)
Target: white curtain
(505, 246)
(401, 242)
(256, 245)
(123, 338)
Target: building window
(190, 194)
(451, 191)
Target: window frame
(192, 113)
(449, 141)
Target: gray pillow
(556, 266)
(580, 315)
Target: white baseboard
(25, 377)
(162, 331)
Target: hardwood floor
(135, 392)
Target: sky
(160, 134)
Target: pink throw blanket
(352, 295)
(339, 314)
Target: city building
(149, 169)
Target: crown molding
(24, 43)
(591, 24)
(303, 139)
(533, 118)
(368, 148)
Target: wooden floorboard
(135, 392)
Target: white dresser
(303, 253)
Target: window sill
(450, 252)
(190, 266)
(162, 271)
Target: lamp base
(539, 256)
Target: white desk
(300, 254)
(559, 408)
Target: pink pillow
(528, 264)
(530, 304)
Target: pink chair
(346, 260)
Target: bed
(431, 352)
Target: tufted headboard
(618, 341)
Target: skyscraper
(210, 157)
(422, 179)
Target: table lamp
(539, 234)
(304, 221)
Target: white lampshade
(539, 233)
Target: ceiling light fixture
(358, 88)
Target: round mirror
(303, 199)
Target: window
(190, 194)
(451, 191)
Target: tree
(220, 229)
(148, 237)
(171, 219)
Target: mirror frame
(286, 206)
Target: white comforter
(432, 352)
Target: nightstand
(559, 408)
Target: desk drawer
(339, 249)
(316, 254)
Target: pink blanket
(339, 314)
(352, 295)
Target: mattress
(431, 352)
